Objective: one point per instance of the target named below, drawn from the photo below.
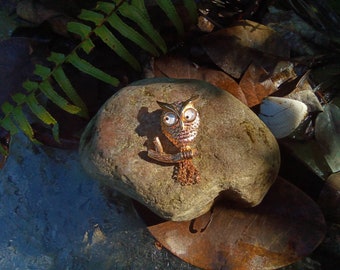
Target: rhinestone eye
(170, 119)
(190, 115)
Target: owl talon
(158, 145)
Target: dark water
(54, 216)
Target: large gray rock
(238, 157)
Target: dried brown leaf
(234, 48)
(285, 227)
(175, 66)
(253, 85)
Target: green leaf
(65, 84)
(87, 68)
(110, 40)
(40, 111)
(19, 98)
(130, 33)
(141, 6)
(87, 45)
(92, 16)
(7, 108)
(23, 123)
(30, 86)
(42, 71)
(8, 124)
(143, 22)
(55, 132)
(105, 7)
(80, 29)
(47, 89)
(191, 7)
(57, 58)
(169, 9)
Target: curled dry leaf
(234, 48)
(327, 133)
(282, 115)
(248, 49)
(303, 92)
(285, 227)
(257, 83)
(309, 98)
(254, 87)
(175, 66)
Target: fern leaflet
(169, 9)
(91, 70)
(103, 22)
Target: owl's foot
(186, 173)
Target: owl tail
(186, 173)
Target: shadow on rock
(150, 127)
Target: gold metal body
(179, 122)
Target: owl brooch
(179, 123)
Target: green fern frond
(40, 111)
(191, 7)
(23, 123)
(80, 29)
(103, 22)
(141, 18)
(8, 124)
(47, 89)
(42, 71)
(169, 9)
(65, 84)
(6, 121)
(91, 70)
(125, 30)
(92, 16)
(15, 113)
(110, 40)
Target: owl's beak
(182, 124)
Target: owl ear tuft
(192, 98)
(165, 106)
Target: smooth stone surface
(238, 156)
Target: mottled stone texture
(238, 156)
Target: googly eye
(170, 119)
(190, 115)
